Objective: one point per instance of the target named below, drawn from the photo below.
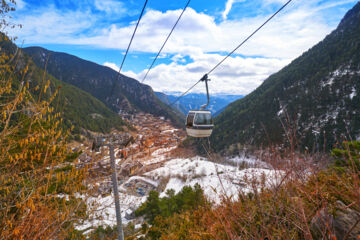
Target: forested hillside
(315, 100)
(78, 108)
(118, 92)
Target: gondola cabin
(199, 123)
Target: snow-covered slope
(217, 180)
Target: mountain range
(314, 102)
(193, 101)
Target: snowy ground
(159, 155)
(246, 162)
(217, 181)
(103, 210)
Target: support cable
(132, 37)
(250, 36)
(242, 43)
(184, 93)
(167, 38)
(127, 50)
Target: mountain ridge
(196, 100)
(79, 108)
(315, 98)
(117, 91)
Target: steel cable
(249, 36)
(127, 50)
(167, 38)
(242, 43)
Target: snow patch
(340, 72)
(353, 93)
(169, 131)
(215, 179)
(280, 112)
(103, 210)
(249, 162)
(160, 151)
(142, 179)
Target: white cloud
(52, 26)
(237, 75)
(267, 2)
(293, 31)
(112, 66)
(301, 25)
(111, 6)
(228, 7)
(178, 58)
(131, 74)
(333, 4)
(20, 4)
(287, 36)
(153, 29)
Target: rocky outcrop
(344, 224)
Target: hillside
(61, 178)
(78, 107)
(196, 100)
(126, 95)
(316, 98)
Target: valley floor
(155, 162)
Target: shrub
(282, 211)
(155, 207)
(33, 144)
(348, 156)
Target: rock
(326, 226)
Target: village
(153, 142)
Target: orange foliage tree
(38, 178)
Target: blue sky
(99, 31)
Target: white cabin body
(199, 123)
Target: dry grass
(303, 187)
(282, 211)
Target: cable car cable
(184, 93)
(217, 65)
(127, 50)
(249, 36)
(132, 37)
(152, 64)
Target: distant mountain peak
(352, 16)
(193, 101)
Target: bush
(187, 199)
(283, 211)
(348, 156)
(33, 143)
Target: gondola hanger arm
(206, 79)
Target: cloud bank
(197, 44)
